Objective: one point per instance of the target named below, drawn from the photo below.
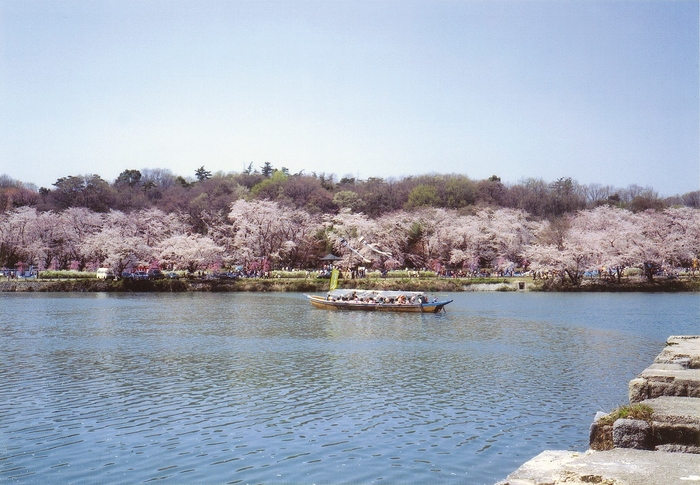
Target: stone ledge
(682, 349)
(675, 410)
(614, 467)
(674, 372)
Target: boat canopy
(373, 293)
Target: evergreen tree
(202, 174)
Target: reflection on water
(243, 388)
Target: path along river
(262, 388)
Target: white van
(105, 274)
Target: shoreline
(655, 443)
(313, 285)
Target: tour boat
(375, 300)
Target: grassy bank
(314, 285)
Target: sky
(604, 92)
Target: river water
(262, 388)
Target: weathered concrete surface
(614, 467)
(681, 349)
(676, 424)
(675, 409)
(675, 372)
(542, 469)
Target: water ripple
(181, 389)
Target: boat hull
(432, 307)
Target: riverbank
(316, 285)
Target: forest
(264, 218)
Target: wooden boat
(383, 301)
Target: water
(262, 388)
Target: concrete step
(675, 424)
(614, 467)
(675, 372)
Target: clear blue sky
(600, 91)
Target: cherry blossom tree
(466, 238)
(117, 249)
(302, 249)
(610, 232)
(416, 237)
(345, 230)
(127, 239)
(223, 233)
(29, 236)
(16, 235)
(265, 230)
(190, 252)
(397, 234)
(74, 225)
(120, 244)
(43, 246)
(610, 239)
(489, 238)
(682, 226)
(569, 254)
(666, 239)
(441, 237)
(507, 231)
(154, 225)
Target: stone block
(638, 390)
(632, 433)
(676, 434)
(659, 388)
